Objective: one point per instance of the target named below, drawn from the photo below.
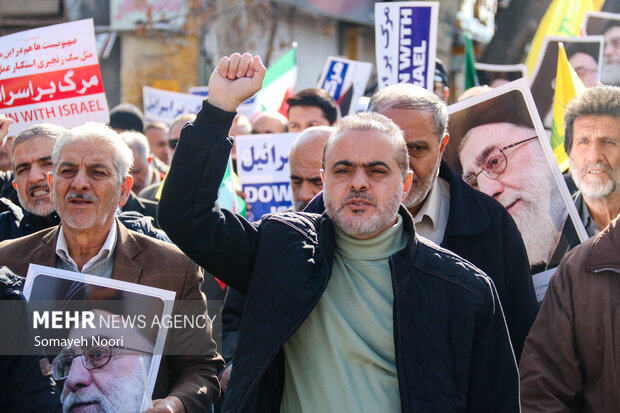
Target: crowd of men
(392, 284)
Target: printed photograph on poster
(607, 25)
(499, 146)
(406, 42)
(264, 173)
(584, 55)
(51, 74)
(497, 75)
(113, 326)
(345, 80)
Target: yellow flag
(567, 86)
(563, 18)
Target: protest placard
(73, 312)
(156, 14)
(163, 105)
(263, 169)
(345, 80)
(247, 108)
(499, 146)
(495, 75)
(584, 55)
(406, 42)
(51, 74)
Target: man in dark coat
(343, 303)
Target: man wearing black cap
(126, 117)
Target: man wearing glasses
(101, 376)
(506, 161)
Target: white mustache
(77, 195)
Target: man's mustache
(596, 165)
(77, 195)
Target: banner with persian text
(51, 74)
(406, 42)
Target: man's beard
(123, 395)
(610, 71)
(420, 189)
(540, 217)
(41, 207)
(597, 187)
(361, 227)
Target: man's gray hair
(183, 119)
(376, 122)
(138, 142)
(410, 97)
(601, 100)
(92, 131)
(42, 130)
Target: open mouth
(83, 407)
(80, 202)
(510, 207)
(38, 191)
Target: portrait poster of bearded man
(584, 55)
(608, 25)
(108, 325)
(499, 146)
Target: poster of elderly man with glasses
(498, 144)
(105, 337)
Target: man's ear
(322, 172)
(125, 190)
(49, 179)
(443, 144)
(14, 184)
(407, 182)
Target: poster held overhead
(345, 80)
(406, 42)
(51, 74)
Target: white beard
(124, 394)
(595, 187)
(610, 72)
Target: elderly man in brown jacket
(90, 181)
(571, 358)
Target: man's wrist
(223, 104)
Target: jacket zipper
(280, 344)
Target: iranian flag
(279, 84)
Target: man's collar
(104, 252)
(430, 207)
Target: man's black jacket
(23, 386)
(480, 230)
(451, 342)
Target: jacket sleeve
(231, 320)
(494, 378)
(519, 302)
(551, 377)
(218, 240)
(196, 366)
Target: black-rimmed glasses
(92, 358)
(494, 163)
